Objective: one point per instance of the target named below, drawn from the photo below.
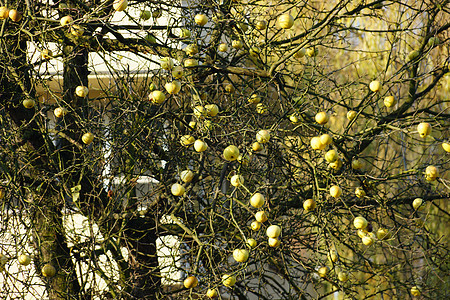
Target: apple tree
(224, 149)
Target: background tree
(338, 118)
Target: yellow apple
(257, 200)
(351, 114)
(81, 91)
(285, 21)
(383, 234)
(87, 138)
(326, 139)
(212, 110)
(415, 291)
(309, 204)
(342, 276)
(251, 243)
(190, 62)
(24, 260)
(65, 20)
(28, 103)
(261, 25)
(261, 216)
(240, 255)
(389, 101)
(255, 226)
(256, 147)
(199, 111)
(185, 33)
(274, 242)
(190, 282)
(335, 191)
(321, 117)
(223, 47)
(200, 146)
(356, 164)
(212, 293)
(312, 52)
(236, 44)
(417, 204)
(76, 30)
(336, 165)
(231, 153)
(424, 129)
(228, 280)
(229, 88)
(362, 233)
(237, 180)
(201, 19)
(48, 270)
(187, 140)
(157, 97)
(431, 173)
(331, 156)
(294, 119)
(60, 112)
(177, 189)
(360, 193)
(263, 136)
(15, 15)
(173, 87)
(273, 231)
(178, 72)
(323, 272)
(166, 63)
(446, 146)
(120, 5)
(316, 144)
(4, 12)
(360, 223)
(375, 86)
(186, 176)
(367, 240)
(191, 49)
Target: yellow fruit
(273, 231)
(309, 204)
(415, 291)
(255, 225)
(360, 223)
(76, 30)
(229, 88)
(28, 103)
(326, 139)
(417, 204)
(173, 87)
(178, 72)
(300, 53)
(367, 240)
(46, 54)
(446, 146)
(145, 15)
(200, 146)
(316, 144)
(263, 136)
(228, 280)
(187, 140)
(375, 86)
(285, 21)
(177, 189)
(191, 49)
(360, 193)
(389, 101)
(331, 156)
(4, 12)
(237, 180)
(343, 276)
(166, 63)
(321, 117)
(335, 191)
(424, 129)
(257, 200)
(261, 25)
(362, 233)
(157, 97)
(212, 293)
(48, 270)
(212, 110)
(312, 52)
(256, 147)
(261, 108)
(201, 19)
(431, 173)
(254, 99)
(231, 153)
(336, 165)
(223, 47)
(240, 255)
(274, 242)
(24, 260)
(294, 119)
(81, 91)
(190, 282)
(120, 5)
(186, 176)
(87, 138)
(261, 216)
(237, 44)
(251, 243)
(356, 164)
(15, 15)
(65, 20)
(323, 272)
(383, 234)
(351, 114)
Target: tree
(331, 118)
